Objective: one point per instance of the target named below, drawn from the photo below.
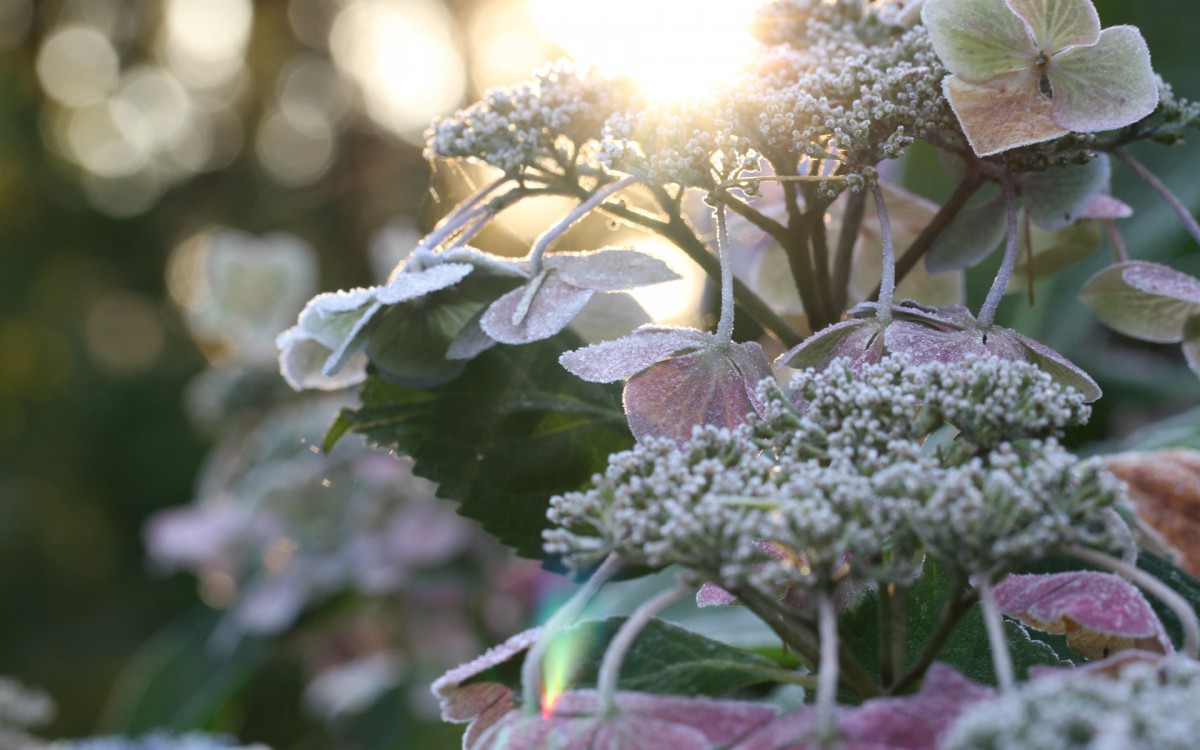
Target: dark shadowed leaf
(474, 436)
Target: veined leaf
(475, 435)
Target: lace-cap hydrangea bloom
(409, 326)
(1027, 71)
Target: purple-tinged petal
(1110, 667)
(610, 269)
(706, 387)
(849, 338)
(470, 342)
(712, 595)
(1063, 370)
(1100, 613)
(519, 318)
(1009, 111)
(978, 40)
(916, 722)
(1105, 86)
(480, 703)
(1056, 24)
(1147, 301)
(405, 286)
(1104, 206)
(625, 357)
(923, 344)
(642, 722)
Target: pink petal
(625, 357)
(1100, 613)
(552, 306)
(706, 387)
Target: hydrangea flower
(409, 326)
(1027, 71)
(679, 378)
(1131, 703)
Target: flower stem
(531, 681)
(1161, 591)
(987, 314)
(725, 251)
(462, 214)
(1164, 192)
(618, 647)
(827, 674)
(887, 280)
(548, 237)
(970, 184)
(994, 624)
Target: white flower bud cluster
(515, 127)
(1147, 706)
(836, 471)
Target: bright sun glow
(673, 49)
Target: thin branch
(994, 624)
(618, 647)
(960, 601)
(970, 184)
(827, 674)
(751, 214)
(1120, 251)
(583, 209)
(725, 250)
(843, 259)
(887, 279)
(1164, 192)
(987, 313)
(531, 669)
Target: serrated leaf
(1144, 300)
(665, 659)
(474, 435)
(1104, 86)
(1057, 197)
(971, 237)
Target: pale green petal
(978, 39)
(1106, 86)
(1008, 112)
(1146, 301)
(1057, 24)
(1058, 197)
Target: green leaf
(971, 237)
(1147, 301)
(1057, 197)
(1105, 86)
(665, 659)
(977, 39)
(966, 648)
(180, 680)
(512, 430)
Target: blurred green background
(127, 128)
